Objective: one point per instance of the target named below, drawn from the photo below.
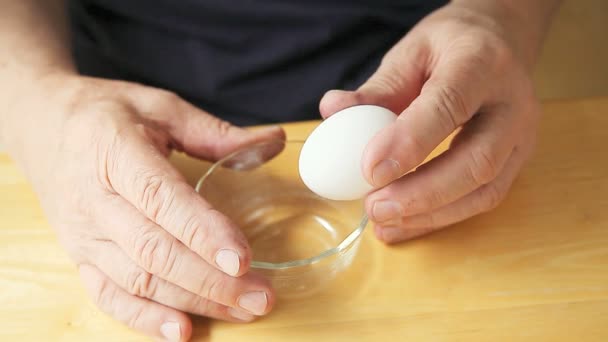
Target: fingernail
(241, 315)
(386, 210)
(228, 261)
(391, 234)
(385, 172)
(254, 302)
(171, 331)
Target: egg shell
(330, 160)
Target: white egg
(330, 160)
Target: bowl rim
(347, 242)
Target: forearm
(34, 43)
(527, 21)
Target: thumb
(193, 130)
(203, 135)
(394, 85)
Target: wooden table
(573, 59)
(535, 268)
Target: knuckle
(432, 200)
(202, 305)
(420, 221)
(212, 288)
(415, 147)
(491, 196)
(387, 82)
(420, 202)
(167, 100)
(484, 166)
(111, 154)
(222, 128)
(431, 221)
(146, 247)
(136, 316)
(154, 195)
(192, 232)
(488, 51)
(151, 186)
(154, 253)
(451, 107)
(140, 283)
(359, 97)
(499, 52)
(169, 96)
(169, 266)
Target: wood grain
(573, 63)
(534, 269)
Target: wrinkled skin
(145, 242)
(455, 70)
(150, 250)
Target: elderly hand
(148, 247)
(459, 68)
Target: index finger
(449, 98)
(158, 253)
(141, 175)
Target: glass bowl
(300, 241)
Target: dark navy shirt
(247, 61)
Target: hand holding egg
(330, 161)
(478, 82)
